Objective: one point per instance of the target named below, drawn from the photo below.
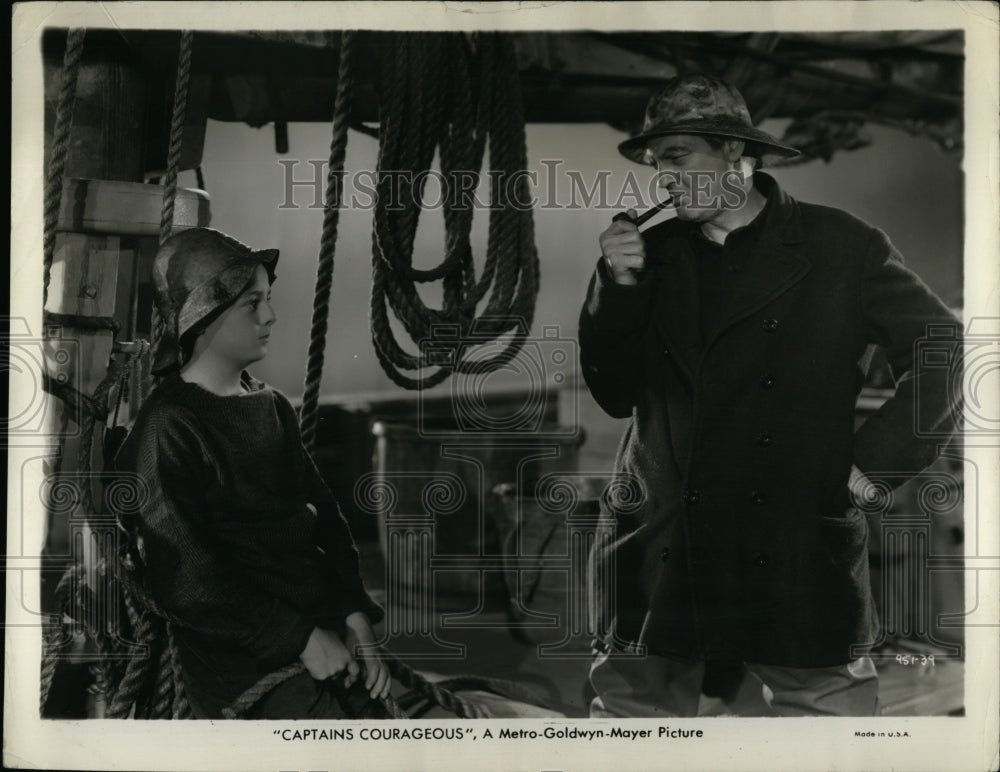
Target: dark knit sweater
(229, 546)
(719, 267)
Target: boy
(241, 541)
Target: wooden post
(106, 143)
(106, 237)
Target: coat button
(770, 325)
(665, 554)
(757, 498)
(764, 439)
(766, 381)
(761, 559)
(692, 496)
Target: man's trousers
(658, 687)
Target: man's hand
(377, 678)
(624, 250)
(325, 656)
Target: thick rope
(84, 462)
(50, 662)
(60, 150)
(328, 242)
(258, 691)
(128, 693)
(442, 693)
(427, 103)
(163, 696)
(180, 708)
(176, 134)
(54, 631)
(78, 402)
(174, 156)
(261, 689)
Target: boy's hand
(377, 678)
(325, 656)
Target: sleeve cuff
(281, 637)
(618, 306)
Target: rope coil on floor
(442, 693)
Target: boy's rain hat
(197, 271)
(699, 104)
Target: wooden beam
(127, 208)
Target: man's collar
(780, 215)
(777, 219)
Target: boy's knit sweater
(228, 544)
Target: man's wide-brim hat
(700, 104)
(196, 272)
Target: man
(736, 337)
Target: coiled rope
(60, 150)
(427, 103)
(328, 242)
(431, 100)
(442, 693)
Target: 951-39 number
(915, 659)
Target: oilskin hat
(699, 104)
(196, 272)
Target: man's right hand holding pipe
(624, 250)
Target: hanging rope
(60, 149)
(176, 133)
(90, 419)
(128, 694)
(328, 242)
(174, 156)
(55, 630)
(427, 103)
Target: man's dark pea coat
(745, 545)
